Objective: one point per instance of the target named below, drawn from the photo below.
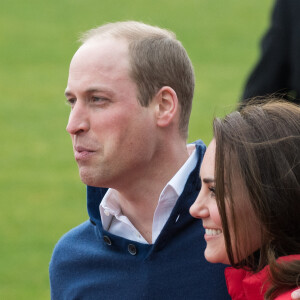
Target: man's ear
(166, 106)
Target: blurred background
(40, 191)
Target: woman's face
(205, 208)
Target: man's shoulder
(72, 259)
(72, 241)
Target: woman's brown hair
(261, 145)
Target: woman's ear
(166, 106)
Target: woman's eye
(212, 190)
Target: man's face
(112, 133)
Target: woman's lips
(211, 233)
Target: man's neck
(139, 200)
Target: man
(278, 69)
(130, 89)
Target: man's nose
(78, 119)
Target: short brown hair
(157, 59)
(263, 141)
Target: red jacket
(243, 285)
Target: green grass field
(41, 194)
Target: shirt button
(106, 212)
(132, 249)
(107, 240)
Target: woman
(250, 200)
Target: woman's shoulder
(286, 295)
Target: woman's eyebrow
(208, 180)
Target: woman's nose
(199, 210)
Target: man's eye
(98, 99)
(71, 101)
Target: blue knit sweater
(90, 263)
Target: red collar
(244, 285)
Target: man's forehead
(102, 43)
(109, 52)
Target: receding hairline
(128, 30)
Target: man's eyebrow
(208, 180)
(92, 90)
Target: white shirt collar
(111, 215)
(179, 179)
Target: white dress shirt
(116, 223)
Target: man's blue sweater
(90, 263)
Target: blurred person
(249, 200)
(278, 69)
(130, 89)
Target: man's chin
(89, 178)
